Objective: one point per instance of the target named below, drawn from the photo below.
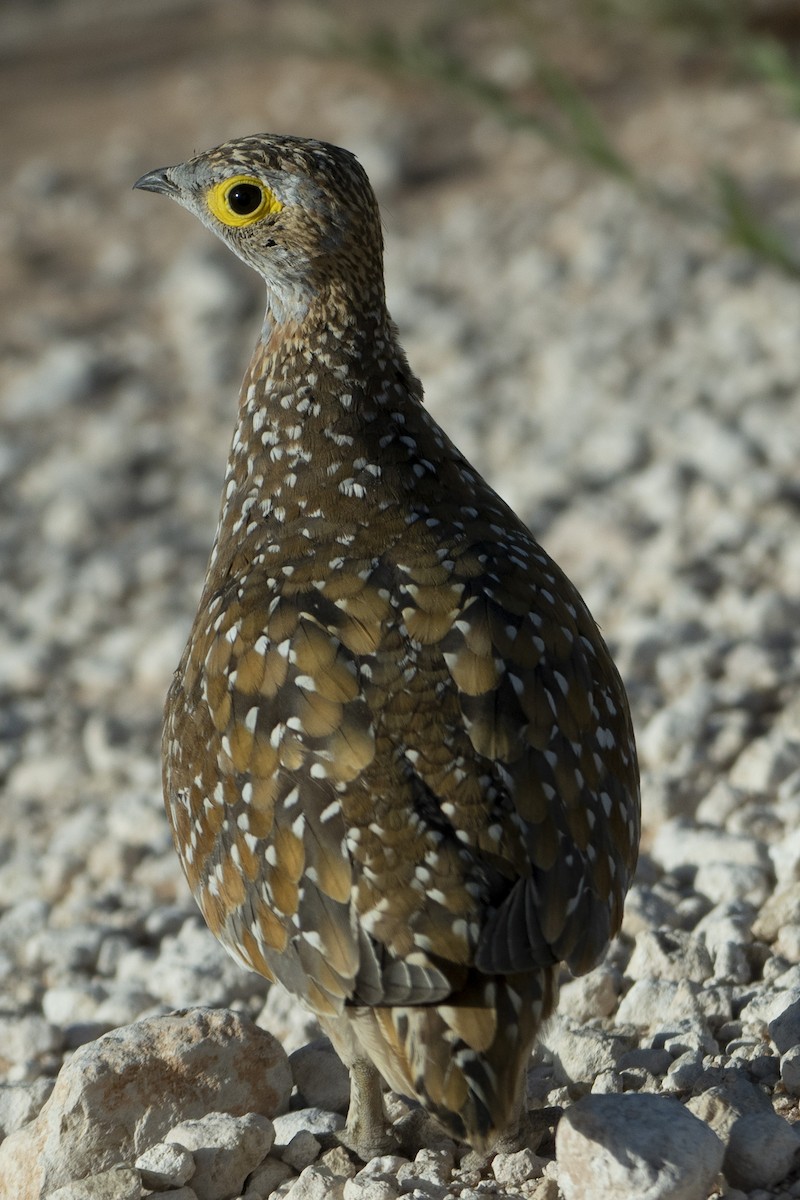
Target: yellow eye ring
(241, 200)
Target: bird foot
(529, 1133)
(363, 1143)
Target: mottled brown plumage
(398, 759)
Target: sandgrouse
(398, 759)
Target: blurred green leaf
(745, 228)
(774, 64)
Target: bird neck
(315, 402)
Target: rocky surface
(630, 386)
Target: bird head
(300, 212)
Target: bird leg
(366, 1132)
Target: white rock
(647, 908)
(720, 1106)
(165, 1165)
(321, 1077)
(513, 1170)
(20, 1103)
(288, 1021)
(782, 908)
(683, 1073)
(727, 923)
(579, 1053)
(434, 1164)
(182, 1193)
(790, 1070)
(192, 967)
(768, 1006)
(60, 951)
(120, 1183)
(680, 843)
(302, 1151)
(724, 882)
(64, 1006)
(731, 965)
(651, 1002)
(669, 954)
(317, 1183)
(267, 1177)
(635, 1147)
(60, 377)
(762, 1149)
(139, 1081)
(22, 922)
(28, 1037)
(312, 1120)
(787, 943)
(366, 1188)
(785, 855)
(764, 763)
(647, 1058)
(784, 1027)
(384, 1165)
(592, 995)
(225, 1150)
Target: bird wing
(417, 768)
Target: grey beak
(157, 181)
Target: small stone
(165, 1165)
(762, 1150)
(632, 1146)
(321, 1077)
(302, 1150)
(225, 1150)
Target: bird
(398, 759)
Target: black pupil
(244, 198)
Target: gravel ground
(628, 384)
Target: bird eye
(241, 201)
(244, 198)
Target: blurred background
(593, 253)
